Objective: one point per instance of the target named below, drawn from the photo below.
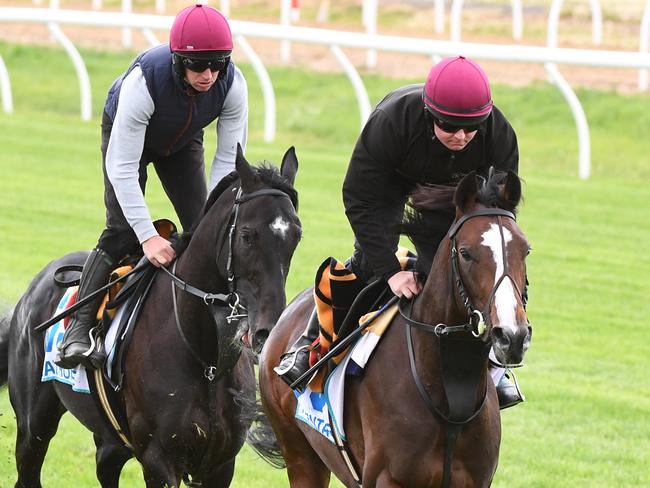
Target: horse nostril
(259, 339)
(498, 333)
(500, 337)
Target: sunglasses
(200, 65)
(452, 129)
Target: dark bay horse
(182, 423)
(403, 423)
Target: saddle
(342, 300)
(128, 294)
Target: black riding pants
(182, 176)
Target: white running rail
(335, 40)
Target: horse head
(264, 239)
(488, 253)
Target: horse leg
(222, 477)
(307, 471)
(304, 467)
(38, 413)
(385, 480)
(158, 471)
(110, 458)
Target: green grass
(585, 422)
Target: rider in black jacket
(431, 133)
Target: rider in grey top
(155, 113)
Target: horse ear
(512, 189)
(244, 170)
(466, 191)
(289, 166)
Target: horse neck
(198, 264)
(437, 303)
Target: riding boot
(79, 345)
(295, 361)
(508, 390)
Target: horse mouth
(254, 341)
(259, 339)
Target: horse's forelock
(490, 192)
(271, 176)
(431, 210)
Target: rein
(225, 331)
(217, 300)
(476, 326)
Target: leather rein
(225, 330)
(476, 326)
(219, 300)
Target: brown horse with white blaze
(425, 412)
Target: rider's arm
(124, 151)
(373, 194)
(232, 128)
(503, 150)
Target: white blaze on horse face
(505, 300)
(280, 227)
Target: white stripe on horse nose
(505, 299)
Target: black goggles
(452, 129)
(200, 65)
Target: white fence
(549, 56)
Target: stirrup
(282, 369)
(93, 357)
(510, 394)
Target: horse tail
(262, 439)
(5, 320)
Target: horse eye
(528, 251)
(247, 238)
(465, 253)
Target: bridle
(461, 403)
(216, 302)
(476, 324)
(228, 352)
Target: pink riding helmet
(457, 91)
(200, 31)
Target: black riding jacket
(396, 150)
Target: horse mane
(431, 211)
(267, 174)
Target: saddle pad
(75, 377)
(322, 411)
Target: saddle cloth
(112, 318)
(323, 411)
(75, 377)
